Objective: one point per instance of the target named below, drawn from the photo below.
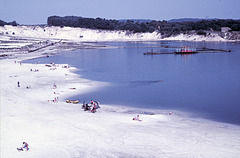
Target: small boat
(72, 101)
(186, 50)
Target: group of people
(35, 70)
(55, 100)
(94, 105)
(28, 86)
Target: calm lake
(205, 84)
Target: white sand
(187, 37)
(77, 34)
(61, 130)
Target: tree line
(164, 27)
(13, 23)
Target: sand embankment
(87, 35)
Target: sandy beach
(36, 112)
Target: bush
(2, 23)
(200, 32)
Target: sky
(37, 11)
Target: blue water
(205, 84)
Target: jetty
(211, 50)
(187, 50)
(42, 45)
(155, 53)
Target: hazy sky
(37, 11)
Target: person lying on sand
(137, 118)
(24, 146)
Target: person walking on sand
(18, 84)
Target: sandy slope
(64, 130)
(77, 34)
(81, 34)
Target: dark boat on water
(186, 50)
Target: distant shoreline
(49, 40)
(92, 35)
(29, 39)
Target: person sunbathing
(24, 146)
(137, 118)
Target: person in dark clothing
(86, 107)
(25, 145)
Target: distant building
(225, 29)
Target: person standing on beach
(18, 84)
(94, 108)
(54, 86)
